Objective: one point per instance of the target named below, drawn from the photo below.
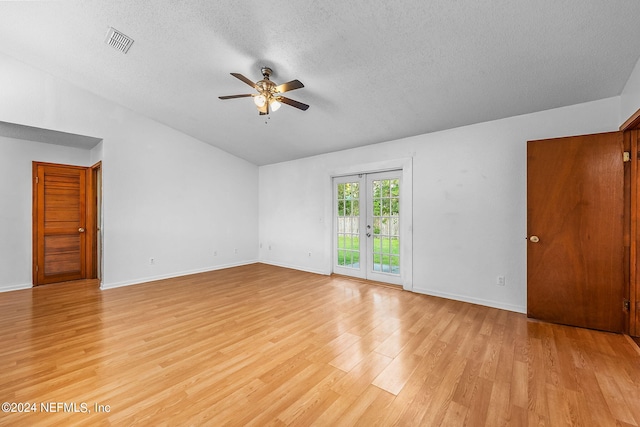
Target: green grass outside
(348, 251)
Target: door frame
(97, 243)
(94, 222)
(631, 229)
(631, 129)
(91, 200)
(405, 166)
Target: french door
(367, 226)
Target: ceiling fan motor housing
(266, 72)
(267, 87)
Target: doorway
(367, 226)
(65, 222)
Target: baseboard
(463, 298)
(8, 288)
(479, 301)
(139, 281)
(295, 267)
(456, 297)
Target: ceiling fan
(268, 96)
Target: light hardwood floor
(262, 345)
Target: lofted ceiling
(373, 70)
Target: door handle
(534, 239)
(81, 230)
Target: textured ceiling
(374, 70)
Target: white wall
(16, 157)
(469, 202)
(630, 97)
(165, 195)
(173, 198)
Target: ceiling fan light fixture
(259, 100)
(274, 104)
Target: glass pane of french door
(367, 226)
(383, 226)
(386, 225)
(348, 226)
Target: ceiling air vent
(118, 40)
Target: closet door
(575, 214)
(59, 223)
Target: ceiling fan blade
(244, 79)
(235, 96)
(286, 87)
(293, 103)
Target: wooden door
(575, 208)
(59, 223)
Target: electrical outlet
(501, 281)
(152, 261)
(309, 253)
(215, 253)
